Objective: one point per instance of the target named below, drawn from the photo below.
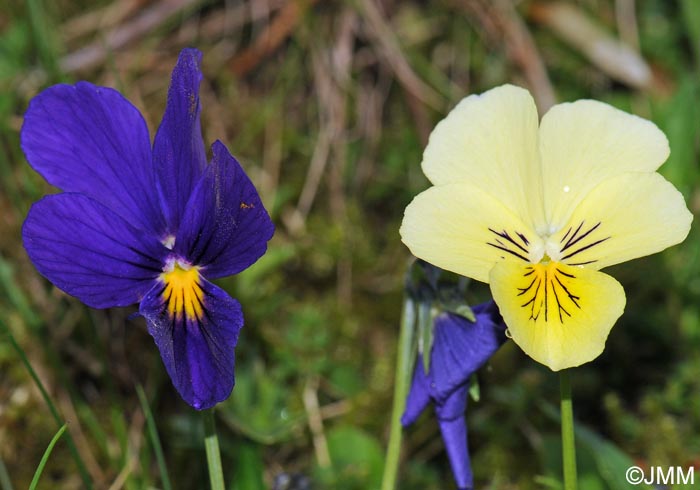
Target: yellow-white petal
(586, 142)
(626, 217)
(558, 314)
(461, 228)
(490, 141)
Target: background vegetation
(328, 105)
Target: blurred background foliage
(328, 105)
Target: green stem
(404, 370)
(52, 408)
(211, 443)
(568, 443)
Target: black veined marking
(548, 279)
(509, 244)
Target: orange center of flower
(183, 294)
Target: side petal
(195, 326)
(225, 228)
(90, 252)
(466, 230)
(453, 427)
(418, 395)
(586, 142)
(91, 140)
(178, 148)
(490, 141)
(559, 315)
(626, 217)
(460, 347)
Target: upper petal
(225, 228)
(90, 252)
(490, 141)
(558, 314)
(464, 229)
(195, 326)
(625, 217)
(460, 347)
(178, 148)
(585, 142)
(88, 139)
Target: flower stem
(568, 444)
(404, 369)
(211, 443)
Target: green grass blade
(45, 457)
(153, 436)
(4, 330)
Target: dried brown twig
(96, 53)
(272, 37)
(616, 59)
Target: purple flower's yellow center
(183, 293)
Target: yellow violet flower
(537, 208)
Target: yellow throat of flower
(182, 294)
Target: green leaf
(680, 123)
(249, 468)
(357, 458)
(691, 18)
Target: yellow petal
(559, 315)
(586, 142)
(626, 217)
(490, 141)
(461, 228)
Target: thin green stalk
(52, 408)
(404, 367)
(45, 457)
(153, 436)
(211, 443)
(568, 444)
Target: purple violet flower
(136, 224)
(460, 347)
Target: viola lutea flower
(459, 349)
(153, 226)
(536, 209)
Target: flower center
(182, 294)
(573, 245)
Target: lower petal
(195, 325)
(453, 427)
(558, 314)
